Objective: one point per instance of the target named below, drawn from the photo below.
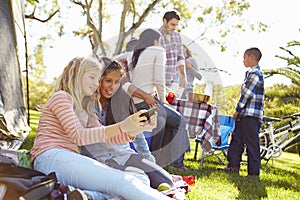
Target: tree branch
(123, 34)
(126, 7)
(31, 16)
(80, 4)
(144, 15)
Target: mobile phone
(149, 113)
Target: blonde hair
(70, 82)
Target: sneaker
(229, 169)
(77, 195)
(253, 176)
(178, 167)
(181, 167)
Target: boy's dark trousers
(245, 133)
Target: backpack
(18, 182)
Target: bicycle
(274, 141)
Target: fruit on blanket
(163, 187)
(170, 97)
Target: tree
(39, 90)
(133, 13)
(282, 100)
(232, 94)
(222, 15)
(292, 70)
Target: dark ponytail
(146, 39)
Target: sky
(282, 17)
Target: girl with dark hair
(116, 105)
(148, 38)
(147, 73)
(68, 121)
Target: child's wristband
(126, 133)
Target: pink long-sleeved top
(59, 127)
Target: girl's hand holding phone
(138, 123)
(152, 122)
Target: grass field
(279, 180)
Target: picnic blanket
(22, 158)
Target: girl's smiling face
(90, 81)
(110, 83)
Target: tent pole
(27, 79)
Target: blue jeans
(184, 93)
(245, 133)
(156, 174)
(94, 177)
(170, 139)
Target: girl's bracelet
(121, 131)
(119, 127)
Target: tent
(13, 122)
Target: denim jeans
(87, 174)
(245, 133)
(156, 174)
(170, 139)
(185, 91)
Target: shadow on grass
(207, 169)
(286, 179)
(249, 188)
(266, 164)
(34, 123)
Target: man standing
(171, 41)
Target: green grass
(280, 177)
(34, 120)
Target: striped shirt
(59, 127)
(173, 45)
(251, 102)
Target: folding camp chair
(226, 129)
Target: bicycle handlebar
(293, 116)
(270, 119)
(273, 119)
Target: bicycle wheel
(263, 144)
